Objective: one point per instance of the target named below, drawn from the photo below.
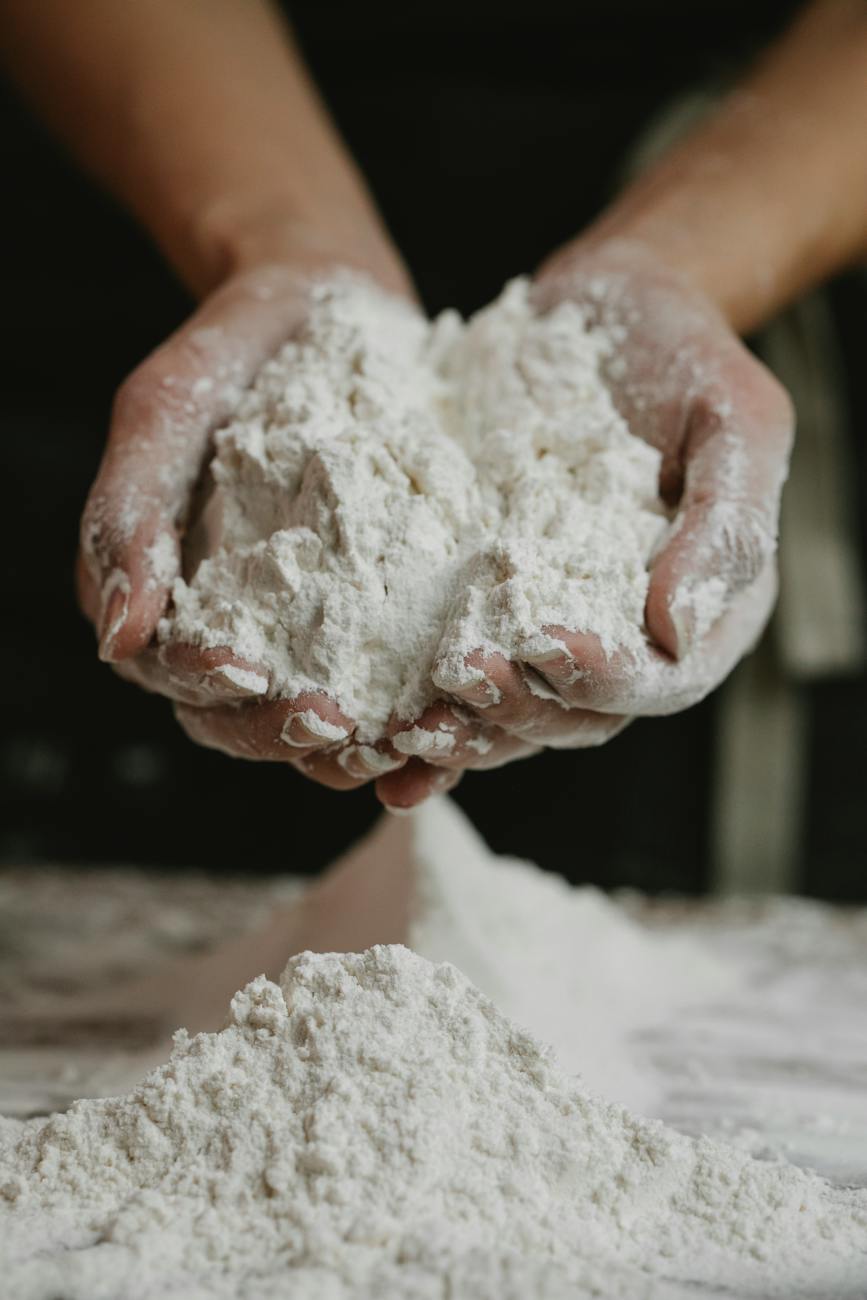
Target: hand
(133, 525)
(723, 425)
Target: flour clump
(394, 493)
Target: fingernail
(365, 760)
(418, 742)
(556, 662)
(441, 781)
(481, 694)
(114, 610)
(466, 681)
(245, 680)
(564, 671)
(537, 686)
(307, 728)
(529, 650)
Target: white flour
(394, 494)
(566, 963)
(373, 1128)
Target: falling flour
(373, 1127)
(394, 493)
(566, 963)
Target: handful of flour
(395, 493)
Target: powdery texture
(394, 494)
(567, 963)
(375, 1127)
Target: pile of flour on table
(374, 1127)
(395, 493)
(566, 963)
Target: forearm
(769, 196)
(199, 115)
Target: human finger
(163, 417)
(281, 731)
(412, 784)
(735, 453)
(650, 681)
(446, 735)
(518, 698)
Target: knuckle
(159, 398)
(133, 396)
(740, 541)
(97, 534)
(750, 543)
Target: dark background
(489, 135)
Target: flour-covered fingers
(280, 731)
(218, 674)
(617, 683)
(212, 730)
(679, 685)
(412, 784)
(492, 683)
(735, 454)
(651, 682)
(325, 767)
(575, 729)
(441, 731)
(148, 671)
(365, 762)
(447, 735)
(520, 700)
(86, 589)
(581, 671)
(188, 675)
(161, 424)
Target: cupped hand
(133, 527)
(681, 379)
(723, 425)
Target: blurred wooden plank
(821, 614)
(759, 778)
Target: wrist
(226, 238)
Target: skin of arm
(765, 199)
(200, 117)
(769, 196)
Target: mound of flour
(395, 493)
(374, 1127)
(567, 963)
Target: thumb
(162, 421)
(725, 532)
